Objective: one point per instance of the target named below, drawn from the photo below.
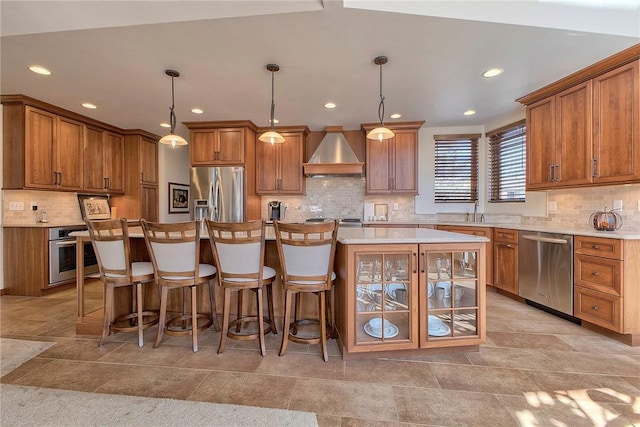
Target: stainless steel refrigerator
(217, 193)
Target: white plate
(440, 331)
(373, 289)
(391, 331)
(360, 307)
(391, 289)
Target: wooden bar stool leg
(287, 315)
(194, 318)
(162, 320)
(212, 302)
(272, 317)
(108, 312)
(263, 349)
(323, 324)
(239, 309)
(225, 319)
(139, 312)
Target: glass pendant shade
(271, 136)
(380, 133)
(172, 138)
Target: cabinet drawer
(598, 246)
(505, 235)
(600, 309)
(600, 274)
(474, 231)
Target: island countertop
(372, 236)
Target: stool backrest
(238, 249)
(110, 241)
(307, 251)
(174, 249)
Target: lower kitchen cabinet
(606, 291)
(409, 297)
(476, 231)
(505, 259)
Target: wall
(173, 167)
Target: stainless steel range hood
(333, 157)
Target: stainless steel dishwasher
(545, 269)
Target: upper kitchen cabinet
(141, 177)
(42, 149)
(616, 125)
(279, 166)
(392, 164)
(584, 129)
(559, 139)
(220, 143)
(103, 161)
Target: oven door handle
(66, 243)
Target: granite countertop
(578, 230)
(371, 235)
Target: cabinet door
(505, 266)
(405, 162)
(69, 154)
(616, 126)
(267, 163)
(541, 144)
(202, 147)
(291, 154)
(149, 161)
(574, 136)
(379, 155)
(149, 202)
(114, 162)
(385, 299)
(94, 160)
(230, 147)
(40, 136)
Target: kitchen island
(426, 285)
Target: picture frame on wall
(178, 198)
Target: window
(507, 156)
(456, 168)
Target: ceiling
(114, 53)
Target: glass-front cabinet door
(385, 302)
(451, 294)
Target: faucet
(475, 211)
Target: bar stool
(175, 253)
(238, 249)
(306, 255)
(110, 240)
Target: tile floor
(534, 370)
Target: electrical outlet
(617, 204)
(551, 206)
(395, 207)
(16, 206)
(34, 206)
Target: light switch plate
(16, 206)
(617, 204)
(551, 206)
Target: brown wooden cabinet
(141, 165)
(279, 166)
(616, 125)
(505, 259)
(559, 148)
(392, 164)
(584, 129)
(26, 260)
(476, 231)
(103, 161)
(220, 143)
(606, 274)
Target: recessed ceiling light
(165, 125)
(469, 112)
(89, 105)
(492, 72)
(395, 115)
(40, 70)
(197, 111)
(330, 105)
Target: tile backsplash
(61, 207)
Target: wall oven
(62, 255)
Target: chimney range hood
(333, 156)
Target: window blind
(507, 163)
(456, 168)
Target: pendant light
(381, 133)
(172, 139)
(272, 136)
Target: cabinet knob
(595, 246)
(595, 273)
(595, 307)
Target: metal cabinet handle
(595, 307)
(551, 173)
(415, 262)
(505, 245)
(595, 246)
(594, 174)
(595, 273)
(424, 261)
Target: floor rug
(14, 353)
